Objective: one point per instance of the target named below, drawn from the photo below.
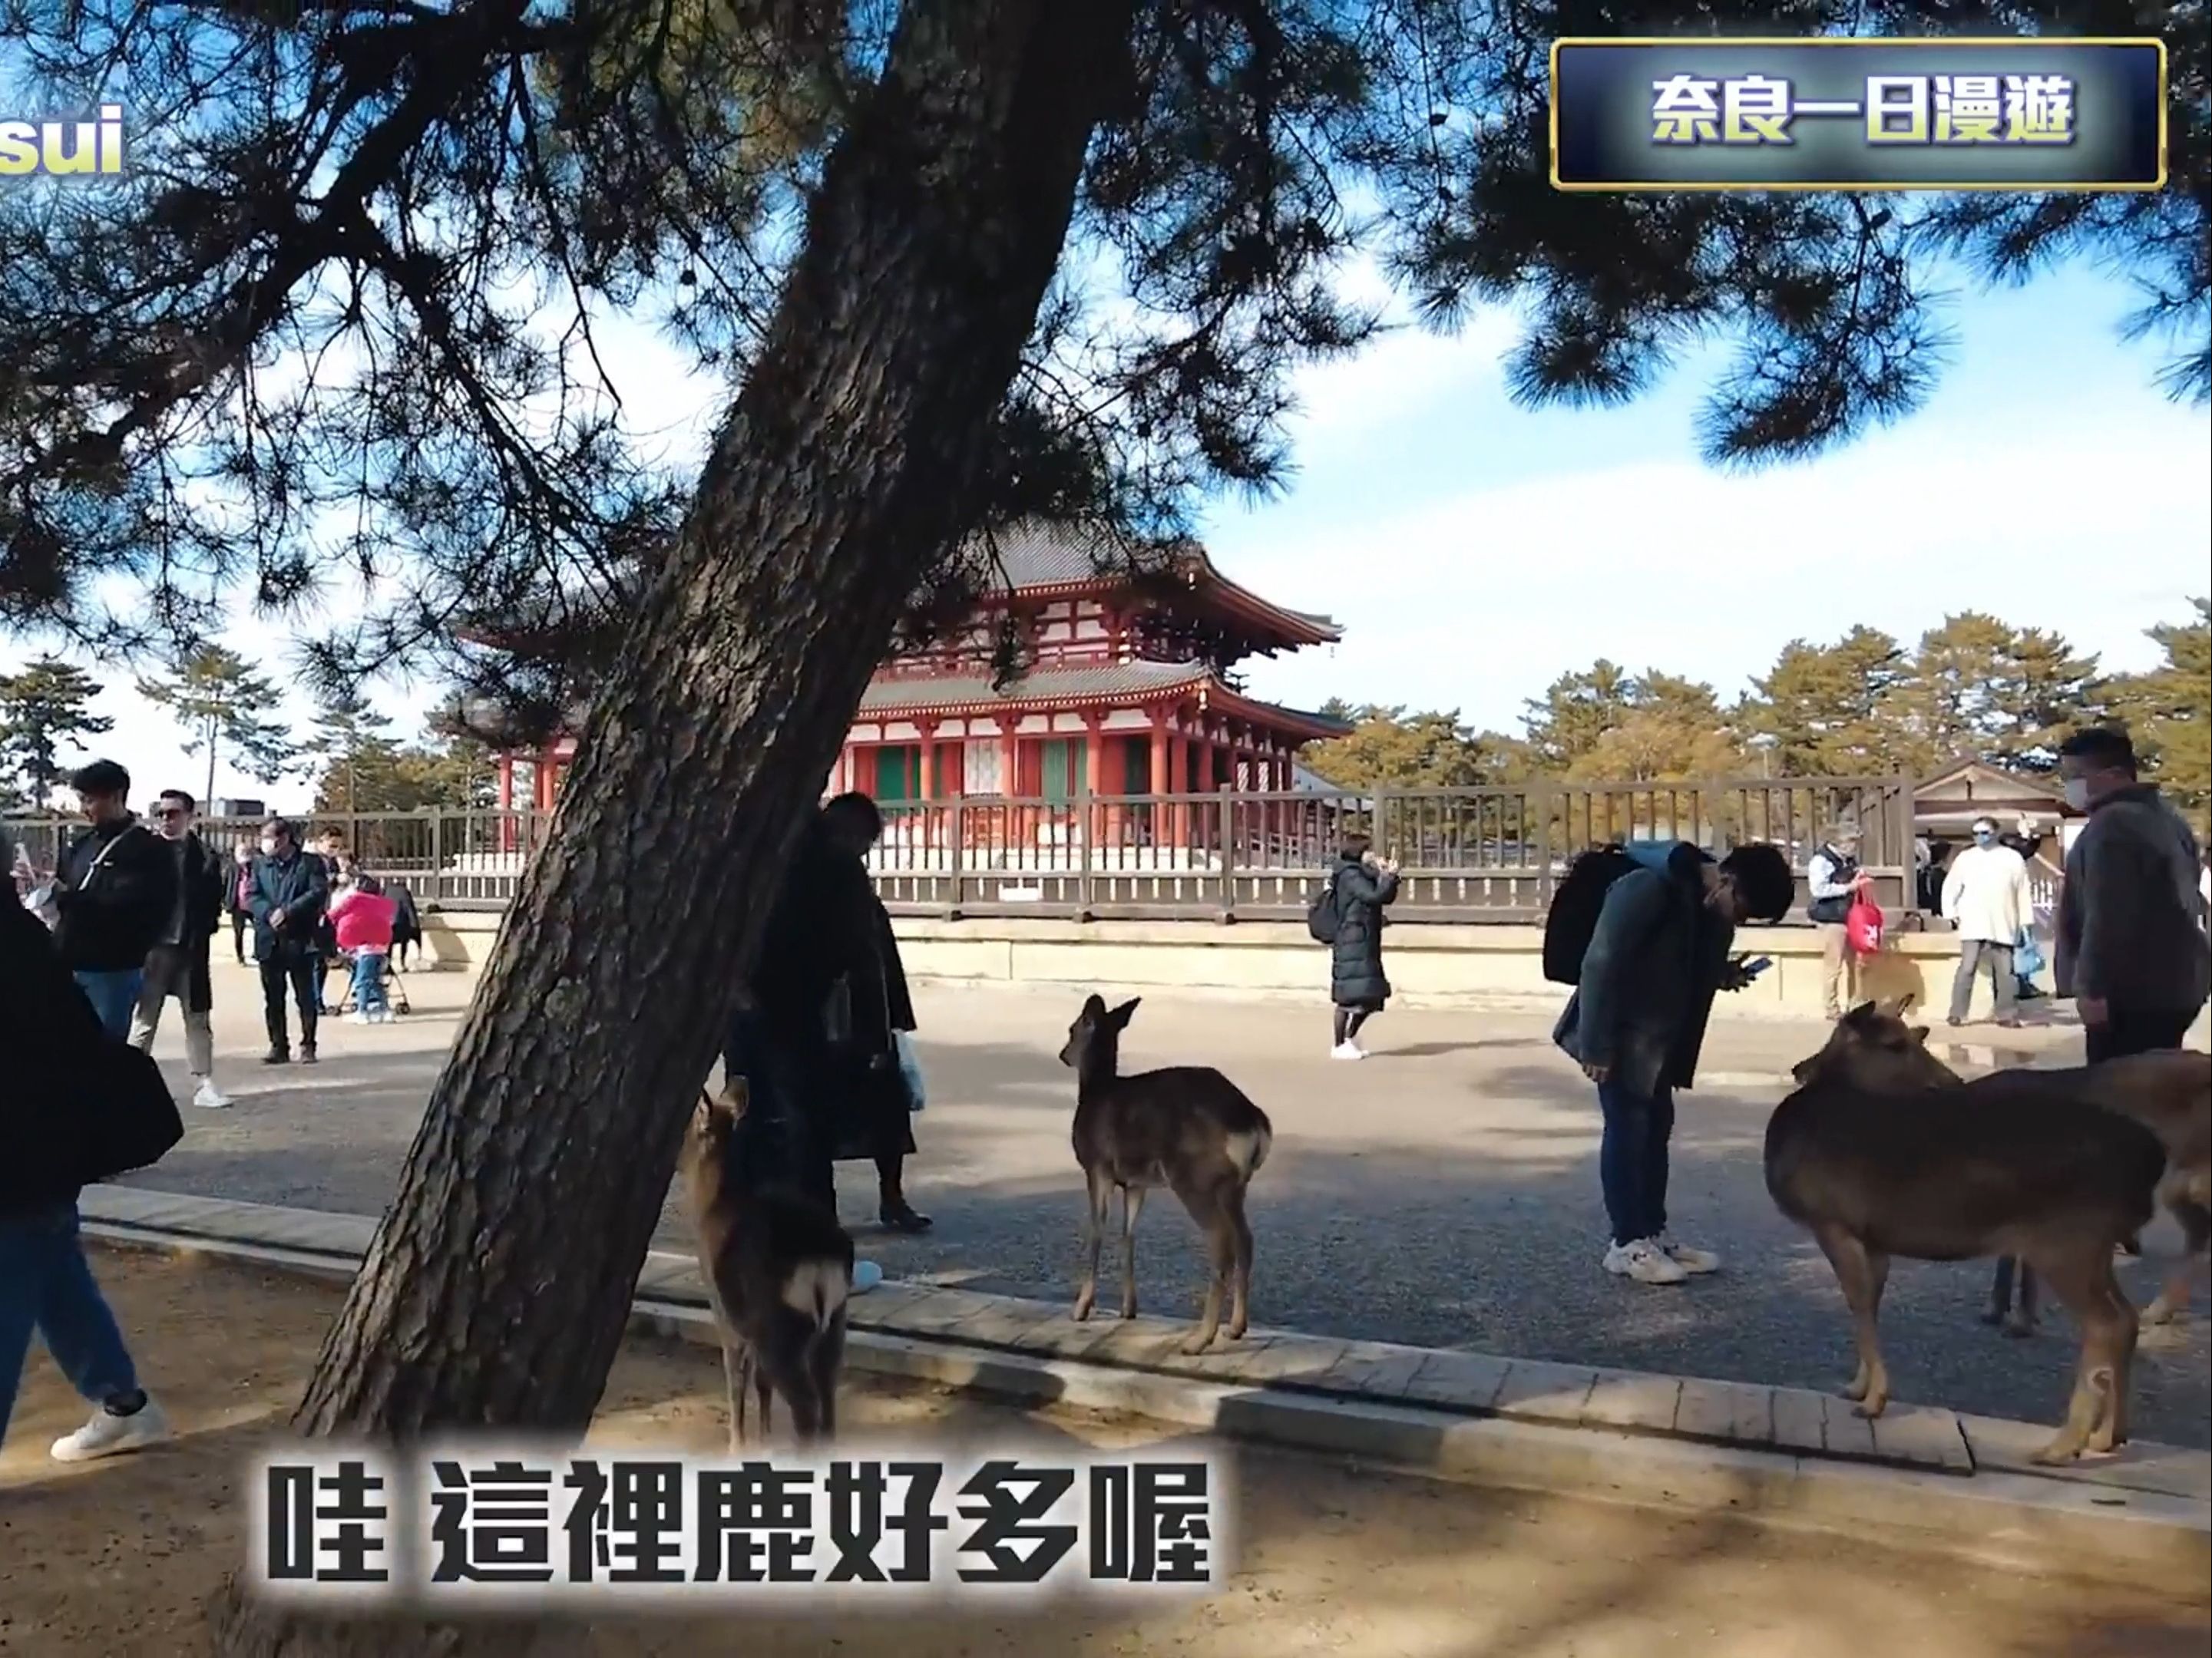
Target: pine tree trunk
(497, 1288)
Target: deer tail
(816, 1289)
(1248, 1149)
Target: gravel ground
(1444, 1193)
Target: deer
(1878, 1156)
(1186, 1127)
(778, 1269)
(2168, 1092)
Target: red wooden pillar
(1181, 756)
(1010, 766)
(1157, 785)
(507, 803)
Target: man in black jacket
(49, 1032)
(288, 897)
(177, 965)
(112, 895)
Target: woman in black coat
(828, 998)
(1361, 886)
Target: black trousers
(240, 922)
(301, 972)
(2136, 1030)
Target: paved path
(1443, 1194)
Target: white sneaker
(208, 1096)
(1644, 1262)
(106, 1434)
(357, 1017)
(1347, 1051)
(865, 1276)
(1691, 1259)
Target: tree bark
(496, 1289)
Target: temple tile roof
(1073, 688)
(1046, 556)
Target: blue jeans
(1631, 1159)
(47, 1285)
(114, 997)
(369, 982)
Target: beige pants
(1839, 969)
(168, 973)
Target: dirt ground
(115, 1559)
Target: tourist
(238, 898)
(112, 894)
(53, 1039)
(2128, 948)
(1658, 955)
(290, 901)
(1834, 880)
(177, 964)
(1986, 897)
(406, 924)
(338, 874)
(1361, 887)
(362, 918)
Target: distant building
(1129, 690)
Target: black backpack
(1322, 913)
(1572, 918)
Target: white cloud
(1478, 600)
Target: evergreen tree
(2168, 713)
(1576, 710)
(223, 704)
(43, 710)
(1389, 747)
(1832, 709)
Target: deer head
(1097, 1030)
(1872, 1047)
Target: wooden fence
(1488, 854)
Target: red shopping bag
(1863, 928)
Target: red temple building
(1128, 688)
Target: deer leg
(1240, 1304)
(827, 1363)
(1100, 1194)
(733, 1384)
(2020, 1322)
(763, 1391)
(1205, 1208)
(1132, 1205)
(1860, 1273)
(2080, 1273)
(2197, 1244)
(2000, 1292)
(784, 1364)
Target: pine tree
(1832, 709)
(43, 710)
(1577, 710)
(2168, 713)
(2045, 690)
(223, 704)
(1389, 747)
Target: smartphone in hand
(1752, 970)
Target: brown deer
(1882, 1152)
(1187, 1128)
(778, 1268)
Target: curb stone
(1960, 1485)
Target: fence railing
(1490, 855)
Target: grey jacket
(1655, 963)
(2128, 915)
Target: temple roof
(1049, 557)
(1075, 688)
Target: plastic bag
(917, 1093)
(2027, 956)
(1863, 928)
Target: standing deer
(1187, 1128)
(777, 1267)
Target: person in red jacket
(363, 916)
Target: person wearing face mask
(1987, 898)
(2130, 953)
(289, 897)
(176, 965)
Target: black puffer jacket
(53, 1039)
(1355, 958)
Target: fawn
(1187, 1128)
(1883, 1153)
(777, 1267)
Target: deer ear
(1802, 1070)
(1121, 1015)
(1896, 1006)
(1094, 1006)
(1920, 1035)
(733, 1099)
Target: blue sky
(1473, 550)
